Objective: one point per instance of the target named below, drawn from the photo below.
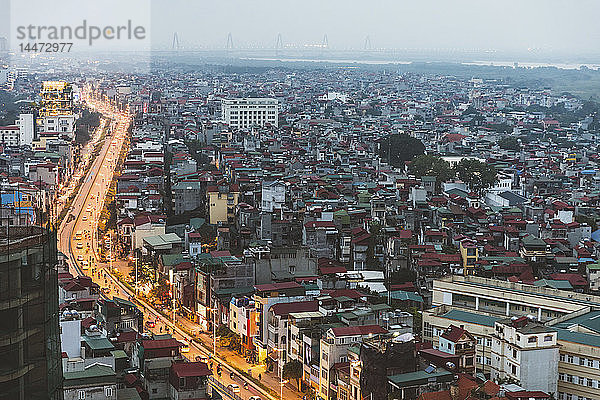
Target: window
(532, 339)
(570, 359)
(561, 376)
(343, 395)
(81, 394)
(581, 360)
(562, 358)
(108, 391)
(513, 369)
(324, 373)
(548, 338)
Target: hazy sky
(565, 26)
(550, 25)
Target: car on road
(150, 324)
(84, 218)
(105, 290)
(80, 258)
(234, 388)
(79, 245)
(185, 349)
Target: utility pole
(172, 279)
(111, 255)
(214, 324)
(136, 275)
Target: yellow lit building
(57, 99)
(221, 203)
(470, 255)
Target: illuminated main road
(78, 242)
(82, 219)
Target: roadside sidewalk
(270, 379)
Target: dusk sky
(512, 25)
(540, 26)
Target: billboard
(16, 204)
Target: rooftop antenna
(368, 43)
(175, 45)
(229, 45)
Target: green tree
(293, 370)
(509, 143)
(476, 174)
(430, 165)
(161, 290)
(397, 149)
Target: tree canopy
(476, 174)
(399, 148)
(429, 165)
(509, 143)
(292, 370)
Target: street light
(281, 381)
(214, 324)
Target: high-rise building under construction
(30, 352)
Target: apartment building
(9, 135)
(242, 320)
(520, 346)
(265, 297)
(477, 304)
(243, 113)
(222, 201)
(334, 350)
(273, 195)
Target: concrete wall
(539, 370)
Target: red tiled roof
(284, 309)
(453, 333)
(277, 286)
(332, 270)
(161, 343)
(442, 395)
(185, 369)
(359, 330)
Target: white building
(9, 135)
(64, 124)
(520, 347)
(329, 96)
(25, 129)
(273, 195)
(244, 113)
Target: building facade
(30, 352)
(243, 113)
